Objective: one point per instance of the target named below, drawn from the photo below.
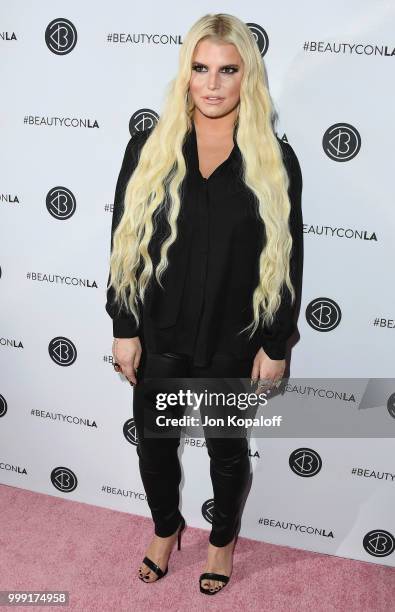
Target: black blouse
(213, 264)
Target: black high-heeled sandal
(153, 566)
(213, 576)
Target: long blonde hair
(161, 169)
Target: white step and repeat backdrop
(76, 77)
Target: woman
(206, 265)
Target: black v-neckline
(195, 156)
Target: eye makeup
(197, 67)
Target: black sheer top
(213, 264)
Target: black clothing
(213, 265)
(158, 456)
(209, 283)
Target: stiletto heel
(179, 533)
(153, 566)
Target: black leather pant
(158, 457)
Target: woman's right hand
(127, 352)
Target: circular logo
(323, 314)
(341, 142)
(305, 462)
(61, 203)
(130, 431)
(143, 119)
(61, 36)
(62, 351)
(261, 37)
(391, 405)
(64, 479)
(208, 510)
(3, 406)
(379, 543)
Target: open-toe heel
(153, 566)
(214, 576)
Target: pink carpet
(52, 543)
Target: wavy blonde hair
(161, 170)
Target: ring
(117, 367)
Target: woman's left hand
(269, 369)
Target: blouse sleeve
(274, 338)
(123, 321)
